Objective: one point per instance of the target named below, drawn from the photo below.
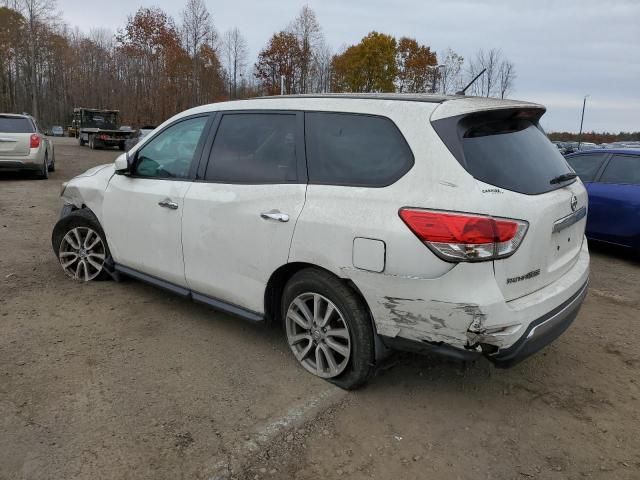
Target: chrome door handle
(168, 203)
(275, 215)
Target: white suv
(362, 222)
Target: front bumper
(541, 332)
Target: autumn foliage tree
(155, 67)
(150, 70)
(155, 61)
(369, 66)
(11, 33)
(280, 58)
(299, 54)
(416, 67)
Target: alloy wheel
(318, 335)
(82, 254)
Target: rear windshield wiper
(565, 177)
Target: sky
(562, 49)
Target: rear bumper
(463, 313)
(541, 332)
(16, 165)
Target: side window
(587, 166)
(254, 148)
(624, 169)
(355, 150)
(169, 154)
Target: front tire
(328, 328)
(81, 246)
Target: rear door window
(622, 169)
(16, 125)
(587, 166)
(355, 150)
(513, 154)
(254, 148)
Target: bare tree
(39, 14)
(506, 77)
(450, 77)
(489, 84)
(198, 30)
(321, 76)
(309, 35)
(235, 54)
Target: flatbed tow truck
(99, 128)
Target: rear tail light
(34, 141)
(104, 137)
(463, 237)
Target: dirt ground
(124, 381)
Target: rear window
(355, 150)
(505, 148)
(16, 125)
(515, 155)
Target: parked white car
(24, 147)
(362, 222)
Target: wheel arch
(63, 222)
(280, 277)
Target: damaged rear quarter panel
(453, 308)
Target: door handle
(168, 203)
(275, 215)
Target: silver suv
(23, 146)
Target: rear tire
(81, 246)
(43, 174)
(345, 359)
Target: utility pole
(281, 84)
(584, 104)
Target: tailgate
(521, 176)
(14, 144)
(552, 243)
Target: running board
(186, 293)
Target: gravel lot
(121, 380)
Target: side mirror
(123, 164)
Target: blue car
(612, 178)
